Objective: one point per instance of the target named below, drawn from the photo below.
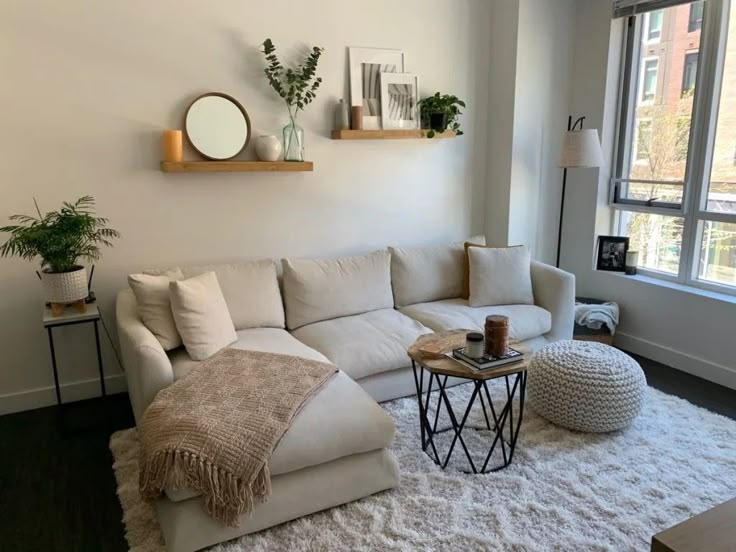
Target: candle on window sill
(172, 145)
(632, 260)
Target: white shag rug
(563, 491)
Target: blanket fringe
(226, 497)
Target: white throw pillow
(500, 276)
(154, 307)
(322, 289)
(201, 315)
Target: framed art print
(399, 101)
(366, 66)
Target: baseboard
(70, 392)
(677, 359)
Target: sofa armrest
(147, 366)
(554, 290)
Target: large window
(674, 188)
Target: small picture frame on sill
(612, 253)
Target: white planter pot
(65, 287)
(268, 148)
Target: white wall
(87, 90)
(543, 65)
(530, 66)
(684, 329)
(502, 91)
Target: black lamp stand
(570, 127)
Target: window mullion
(704, 129)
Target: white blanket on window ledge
(594, 316)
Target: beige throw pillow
(500, 276)
(201, 315)
(154, 307)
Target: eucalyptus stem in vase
(297, 86)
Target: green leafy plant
(60, 237)
(298, 85)
(445, 104)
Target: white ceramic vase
(65, 287)
(268, 148)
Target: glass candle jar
(474, 345)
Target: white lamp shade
(581, 148)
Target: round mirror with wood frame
(217, 126)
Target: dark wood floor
(57, 489)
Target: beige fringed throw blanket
(214, 430)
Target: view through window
(675, 182)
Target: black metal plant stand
(504, 424)
(91, 316)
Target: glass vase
(293, 142)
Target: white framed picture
(399, 100)
(366, 66)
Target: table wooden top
(430, 351)
(711, 531)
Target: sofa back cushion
(432, 273)
(322, 289)
(251, 292)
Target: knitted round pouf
(586, 386)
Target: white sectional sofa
(361, 313)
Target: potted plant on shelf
(440, 112)
(60, 238)
(297, 86)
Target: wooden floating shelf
(236, 166)
(402, 134)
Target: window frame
(626, 114)
(703, 128)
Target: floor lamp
(581, 149)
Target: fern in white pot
(60, 239)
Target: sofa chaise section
(335, 451)
(295, 494)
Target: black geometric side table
(72, 318)
(504, 422)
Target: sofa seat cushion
(267, 340)
(366, 343)
(526, 321)
(340, 420)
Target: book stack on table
(486, 362)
